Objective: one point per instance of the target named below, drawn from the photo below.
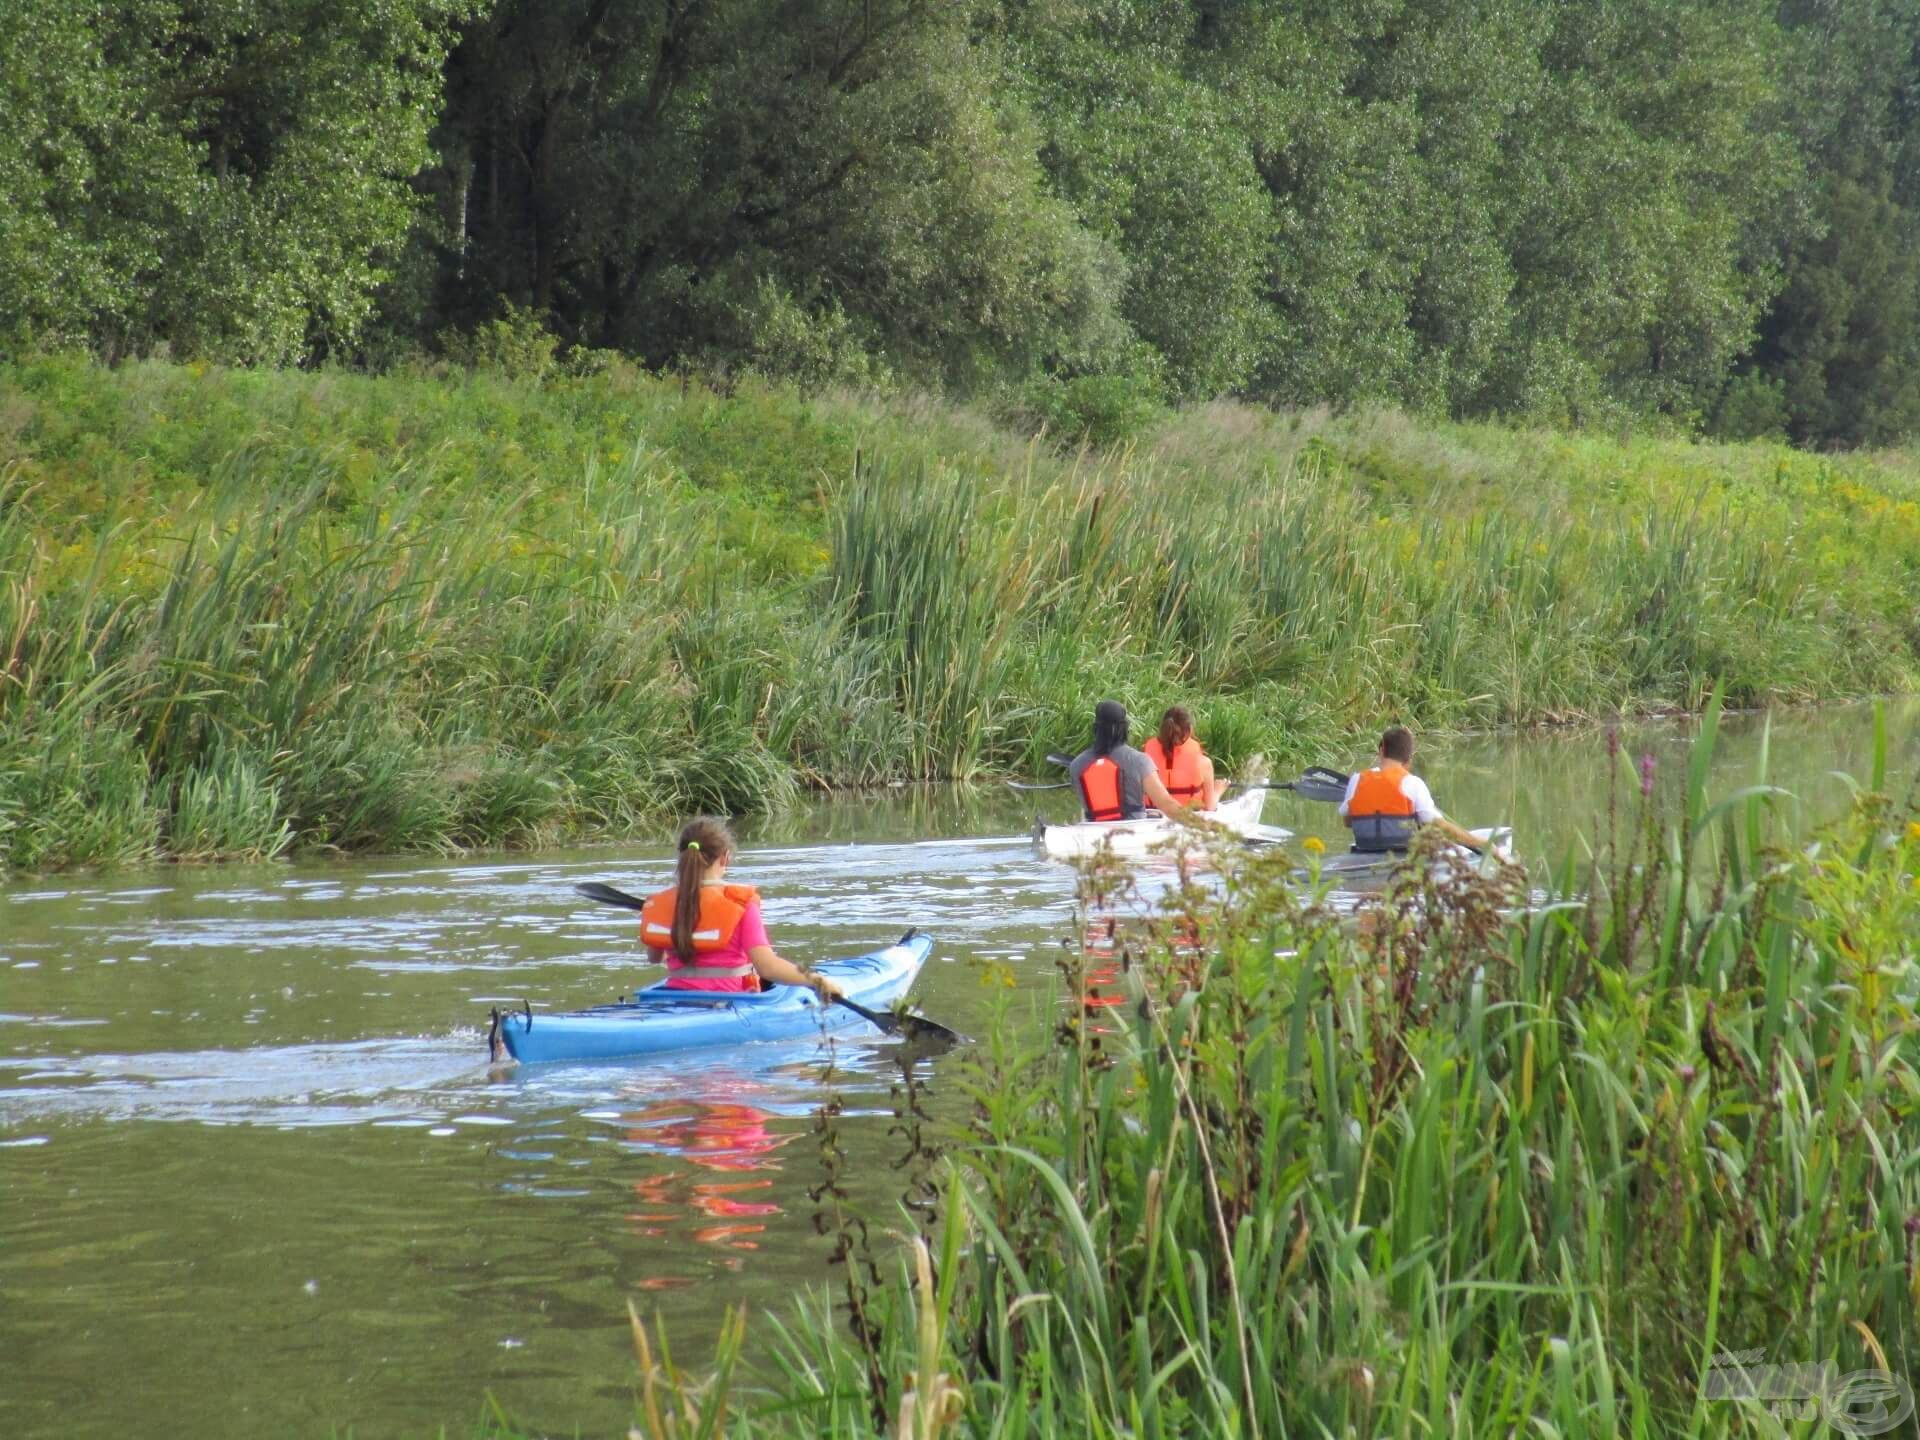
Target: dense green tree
(1137, 136)
(1494, 205)
(1645, 187)
(1692, 208)
(1842, 341)
(678, 180)
(225, 176)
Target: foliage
(517, 343)
(1594, 211)
(223, 178)
(1097, 410)
(725, 183)
(1839, 337)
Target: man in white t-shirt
(1385, 805)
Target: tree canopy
(1700, 209)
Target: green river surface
(256, 1176)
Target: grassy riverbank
(1454, 1173)
(245, 612)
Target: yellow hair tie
(693, 844)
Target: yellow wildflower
(1314, 845)
(1913, 830)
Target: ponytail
(1109, 727)
(1176, 728)
(703, 842)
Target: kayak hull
(658, 1019)
(1356, 868)
(1241, 815)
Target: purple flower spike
(1613, 741)
(1646, 773)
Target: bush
(1752, 407)
(516, 344)
(1101, 411)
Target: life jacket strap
(707, 969)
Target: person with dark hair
(1118, 782)
(708, 933)
(1387, 804)
(1183, 767)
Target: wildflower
(1314, 845)
(1613, 741)
(1646, 773)
(1913, 830)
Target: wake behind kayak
(659, 1019)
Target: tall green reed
(450, 611)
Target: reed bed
(1008, 604)
(244, 613)
(1463, 1170)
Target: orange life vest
(1100, 790)
(722, 908)
(1182, 776)
(1382, 817)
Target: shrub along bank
(245, 612)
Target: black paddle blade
(607, 895)
(915, 1028)
(1320, 785)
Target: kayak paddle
(1052, 759)
(913, 1027)
(1316, 783)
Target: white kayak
(1241, 815)
(1355, 867)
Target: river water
(256, 1176)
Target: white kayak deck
(1241, 815)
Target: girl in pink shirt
(709, 934)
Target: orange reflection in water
(731, 1139)
(1100, 944)
(1102, 941)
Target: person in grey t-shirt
(1123, 782)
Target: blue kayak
(659, 1019)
